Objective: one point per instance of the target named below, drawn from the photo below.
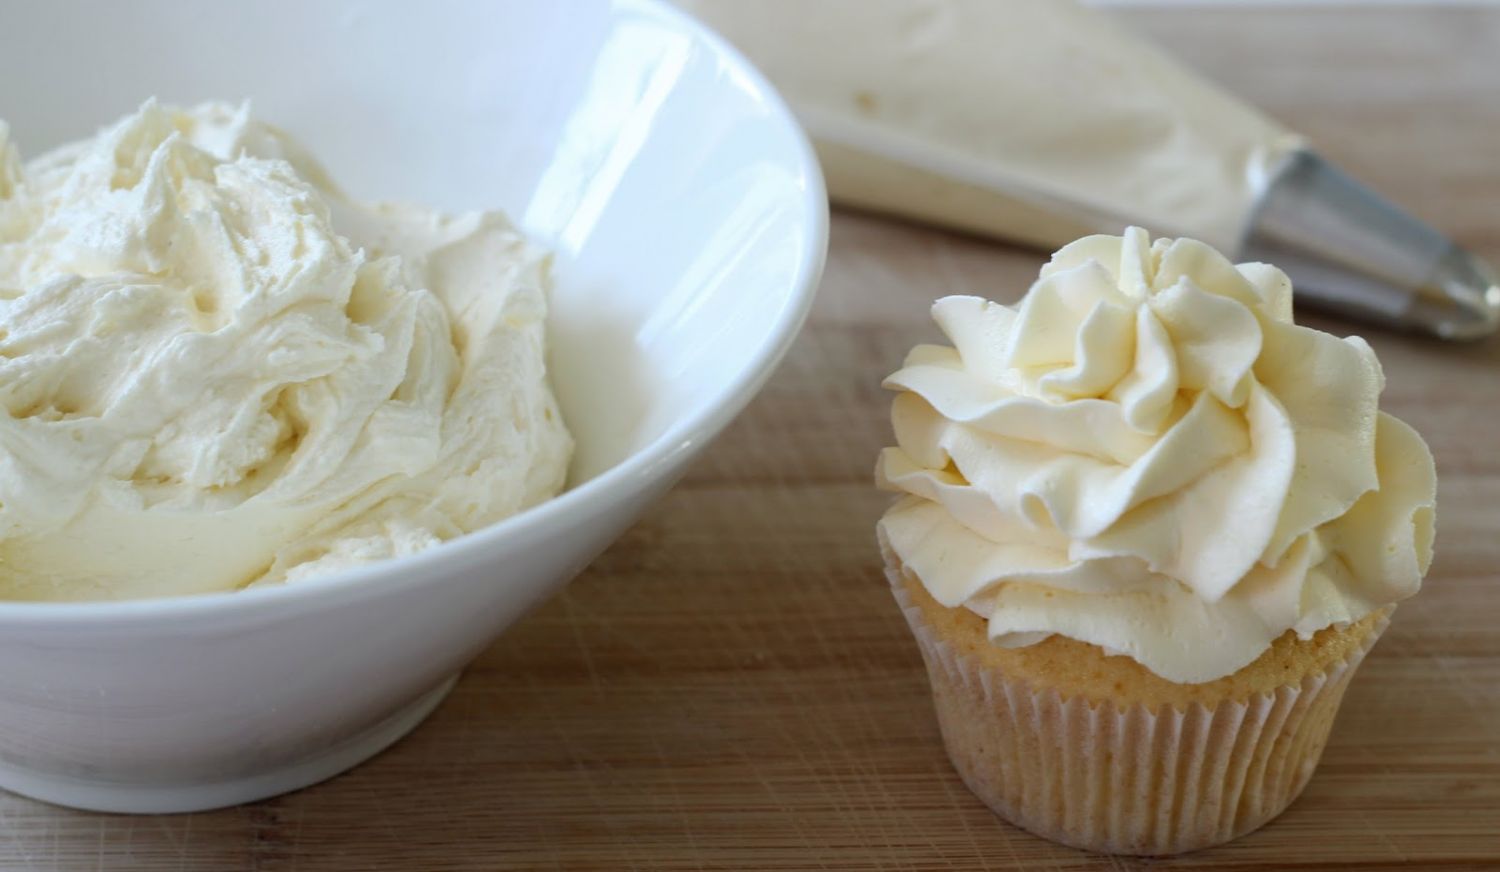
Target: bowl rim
(616, 482)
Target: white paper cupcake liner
(1127, 780)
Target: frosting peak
(1147, 454)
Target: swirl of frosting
(1148, 455)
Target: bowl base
(175, 798)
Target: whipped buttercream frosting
(216, 370)
(1148, 455)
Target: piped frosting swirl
(1148, 455)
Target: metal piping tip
(1462, 299)
(1350, 251)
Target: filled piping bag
(1040, 121)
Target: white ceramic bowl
(689, 221)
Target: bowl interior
(683, 208)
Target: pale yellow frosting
(1148, 455)
(217, 370)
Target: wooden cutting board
(731, 687)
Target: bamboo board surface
(731, 686)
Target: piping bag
(1039, 121)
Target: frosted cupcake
(1149, 528)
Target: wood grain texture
(731, 687)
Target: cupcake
(1148, 529)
